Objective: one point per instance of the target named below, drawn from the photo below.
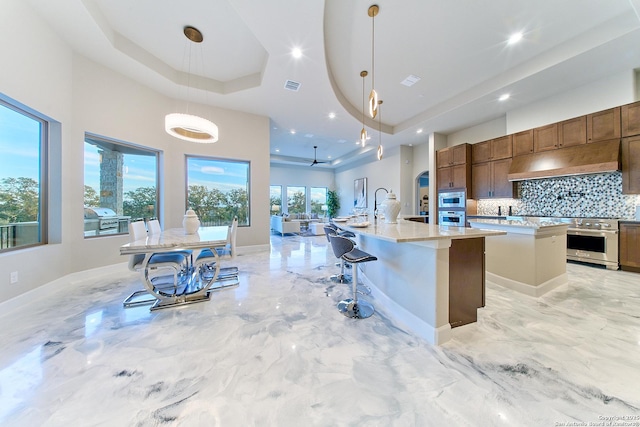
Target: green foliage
(214, 207)
(140, 203)
(277, 201)
(297, 203)
(333, 203)
(19, 200)
(91, 197)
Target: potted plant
(333, 203)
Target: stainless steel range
(593, 240)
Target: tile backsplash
(595, 195)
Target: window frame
(128, 146)
(306, 198)
(187, 157)
(43, 172)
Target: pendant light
(380, 149)
(363, 132)
(187, 126)
(373, 96)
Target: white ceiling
(457, 48)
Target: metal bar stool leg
(352, 307)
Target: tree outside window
(297, 200)
(218, 190)
(275, 199)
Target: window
(23, 160)
(122, 180)
(218, 190)
(275, 199)
(297, 199)
(319, 200)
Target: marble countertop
(533, 226)
(175, 238)
(409, 231)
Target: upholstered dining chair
(205, 261)
(176, 262)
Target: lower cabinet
(490, 180)
(630, 246)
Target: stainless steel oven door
(454, 218)
(594, 246)
(453, 199)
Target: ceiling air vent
(291, 85)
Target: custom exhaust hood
(597, 157)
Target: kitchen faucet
(375, 201)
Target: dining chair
(176, 262)
(205, 261)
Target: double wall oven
(451, 208)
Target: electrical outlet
(14, 277)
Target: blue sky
(19, 143)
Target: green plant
(333, 203)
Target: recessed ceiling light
(292, 131)
(296, 52)
(342, 141)
(308, 135)
(515, 38)
(332, 115)
(277, 150)
(328, 157)
(419, 131)
(504, 97)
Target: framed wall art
(360, 193)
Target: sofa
(284, 225)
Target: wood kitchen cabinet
(454, 167)
(631, 165)
(630, 114)
(490, 180)
(604, 125)
(545, 138)
(630, 246)
(452, 156)
(572, 132)
(523, 143)
(466, 280)
(458, 177)
(494, 149)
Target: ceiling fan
(315, 158)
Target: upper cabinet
(545, 138)
(452, 156)
(523, 143)
(631, 165)
(604, 125)
(494, 149)
(454, 167)
(572, 132)
(631, 119)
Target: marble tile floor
(275, 352)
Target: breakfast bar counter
(429, 277)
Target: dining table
(192, 287)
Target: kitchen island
(531, 258)
(429, 277)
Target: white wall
(617, 89)
(85, 96)
(482, 132)
(384, 173)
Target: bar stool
(340, 278)
(351, 307)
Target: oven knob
(597, 225)
(587, 224)
(606, 225)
